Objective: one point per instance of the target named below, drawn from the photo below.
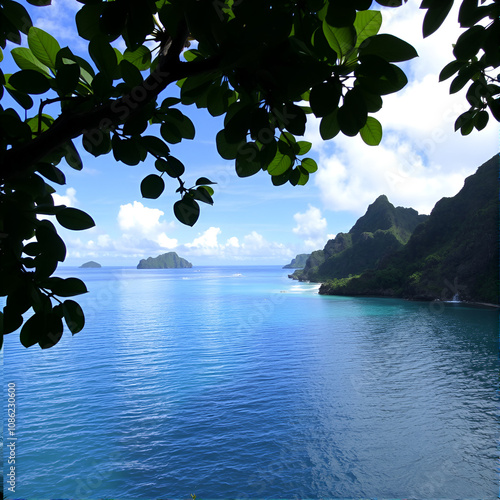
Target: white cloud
(58, 19)
(253, 246)
(311, 227)
(68, 199)
(207, 241)
(138, 221)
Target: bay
(238, 382)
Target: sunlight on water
(238, 382)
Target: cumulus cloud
(58, 19)
(252, 246)
(311, 227)
(138, 221)
(68, 199)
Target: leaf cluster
(477, 58)
(264, 67)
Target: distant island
(168, 260)
(299, 262)
(91, 264)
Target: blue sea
(237, 382)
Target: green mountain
(454, 254)
(91, 264)
(383, 230)
(168, 260)
(299, 262)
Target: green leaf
(21, 98)
(152, 186)
(367, 24)
(203, 181)
(11, 319)
(30, 81)
(43, 46)
(353, 114)
(469, 43)
(73, 315)
(450, 69)
(67, 78)
(304, 147)
(140, 58)
(371, 133)
(227, 150)
(187, 210)
(324, 98)
(309, 165)
(126, 150)
(130, 74)
(171, 165)
(49, 241)
(39, 3)
(341, 40)
(52, 173)
(171, 133)
(391, 3)
(65, 287)
(183, 124)
(295, 119)
(329, 126)
(52, 332)
(103, 56)
(465, 122)
(247, 160)
(202, 194)
(436, 14)
(459, 83)
(280, 164)
(113, 19)
(72, 156)
(75, 219)
(389, 47)
(481, 120)
(17, 15)
(155, 146)
(32, 329)
(87, 20)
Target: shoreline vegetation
(451, 255)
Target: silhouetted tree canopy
(265, 66)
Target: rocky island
(91, 265)
(168, 260)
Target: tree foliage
(264, 66)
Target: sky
(420, 160)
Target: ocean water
(236, 382)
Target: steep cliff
(298, 262)
(377, 234)
(453, 254)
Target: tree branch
(71, 125)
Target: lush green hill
(455, 252)
(165, 261)
(380, 232)
(299, 262)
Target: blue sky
(420, 160)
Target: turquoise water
(238, 382)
